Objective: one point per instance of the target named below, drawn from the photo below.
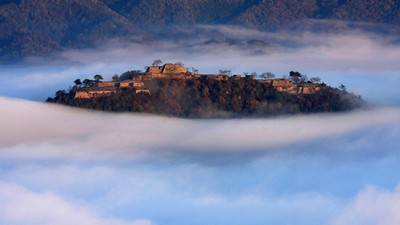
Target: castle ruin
(176, 71)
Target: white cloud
(59, 162)
(349, 49)
(56, 131)
(22, 206)
(371, 206)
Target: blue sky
(68, 166)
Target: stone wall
(93, 93)
(281, 83)
(265, 81)
(154, 69)
(284, 85)
(142, 91)
(219, 77)
(124, 84)
(166, 71)
(308, 88)
(106, 84)
(173, 68)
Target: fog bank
(104, 168)
(58, 131)
(365, 62)
(63, 165)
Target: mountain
(254, 13)
(271, 13)
(172, 90)
(34, 27)
(39, 27)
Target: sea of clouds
(63, 165)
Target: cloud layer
(65, 166)
(75, 133)
(104, 168)
(371, 206)
(365, 62)
(22, 206)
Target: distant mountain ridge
(37, 27)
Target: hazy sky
(70, 166)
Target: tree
(249, 75)
(87, 82)
(225, 72)
(115, 78)
(254, 74)
(78, 82)
(60, 93)
(303, 78)
(315, 80)
(295, 76)
(267, 75)
(194, 70)
(179, 63)
(98, 78)
(343, 88)
(156, 62)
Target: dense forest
(37, 27)
(209, 98)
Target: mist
(105, 168)
(366, 62)
(62, 165)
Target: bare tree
(225, 72)
(194, 70)
(303, 78)
(179, 63)
(315, 80)
(156, 62)
(267, 75)
(254, 74)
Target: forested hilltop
(173, 90)
(40, 27)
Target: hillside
(255, 13)
(39, 27)
(35, 27)
(172, 90)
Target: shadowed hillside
(39, 27)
